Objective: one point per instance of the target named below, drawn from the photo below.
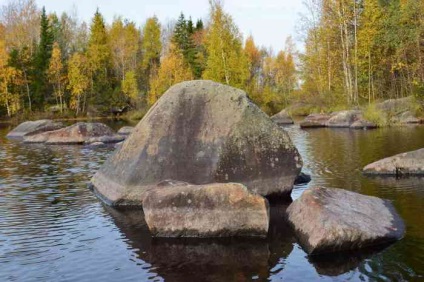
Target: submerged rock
(330, 220)
(77, 134)
(29, 128)
(363, 124)
(201, 132)
(282, 118)
(126, 130)
(409, 163)
(315, 121)
(344, 118)
(212, 210)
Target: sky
(269, 21)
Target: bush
(375, 115)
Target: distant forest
(356, 52)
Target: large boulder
(344, 118)
(329, 220)
(282, 118)
(409, 163)
(315, 121)
(201, 132)
(77, 134)
(211, 210)
(33, 127)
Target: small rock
(282, 118)
(302, 178)
(331, 220)
(211, 210)
(363, 124)
(126, 130)
(410, 163)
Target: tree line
(59, 64)
(360, 51)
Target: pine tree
(199, 25)
(99, 58)
(183, 39)
(41, 62)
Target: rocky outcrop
(330, 220)
(410, 163)
(77, 134)
(126, 130)
(344, 118)
(29, 128)
(315, 121)
(201, 132)
(212, 210)
(400, 111)
(405, 118)
(282, 118)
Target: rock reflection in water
(186, 259)
(226, 259)
(338, 263)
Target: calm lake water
(52, 228)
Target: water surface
(52, 228)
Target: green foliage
(226, 62)
(98, 59)
(151, 45)
(375, 115)
(129, 86)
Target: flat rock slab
(409, 163)
(29, 128)
(282, 118)
(201, 132)
(77, 134)
(126, 130)
(212, 210)
(315, 121)
(330, 220)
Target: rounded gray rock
(331, 220)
